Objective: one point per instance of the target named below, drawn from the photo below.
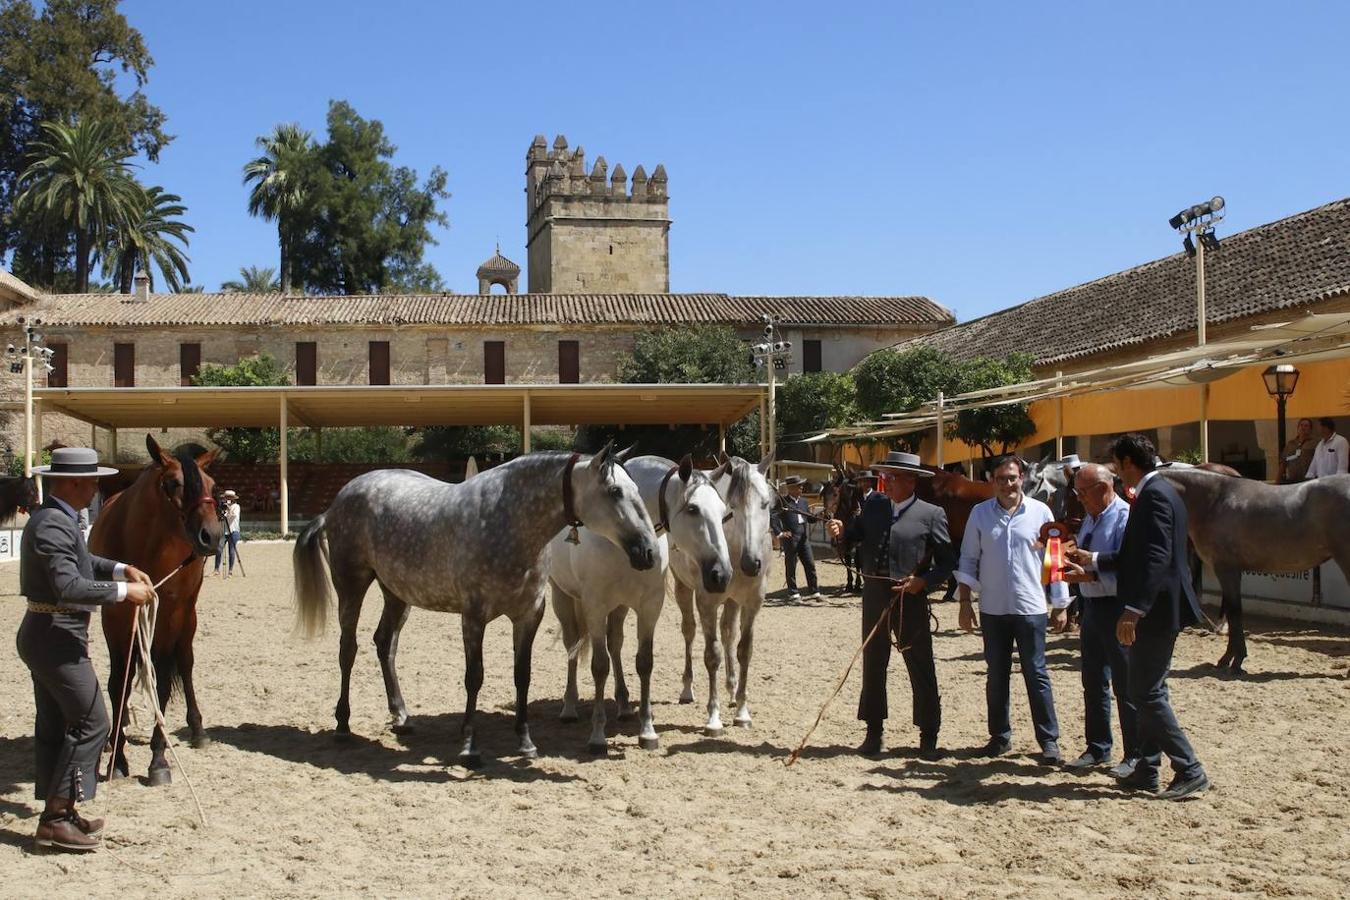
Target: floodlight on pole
(1197, 224)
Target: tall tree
(892, 381)
(994, 429)
(284, 188)
(253, 280)
(75, 59)
(79, 182)
(153, 235)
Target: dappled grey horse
(1240, 524)
(748, 496)
(479, 549)
(594, 586)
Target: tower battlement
(594, 230)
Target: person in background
(1297, 454)
(1332, 455)
(1002, 557)
(229, 514)
(789, 523)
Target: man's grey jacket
(55, 565)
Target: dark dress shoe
(929, 751)
(1088, 760)
(1124, 768)
(871, 745)
(995, 747)
(65, 834)
(1185, 788)
(1050, 755)
(1140, 780)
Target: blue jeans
(1159, 731)
(1106, 670)
(230, 538)
(1001, 633)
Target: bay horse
(841, 498)
(594, 586)
(166, 518)
(728, 619)
(479, 548)
(17, 494)
(1240, 524)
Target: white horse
(748, 495)
(594, 585)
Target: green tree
(283, 179)
(1003, 427)
(445, 442)
(246, 445)
(253, 280)
(72, 60)
(78, 182)
(815, 401)
(893, 381)
(153, 235)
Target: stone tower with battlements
(593, 232)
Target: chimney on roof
(141, 292)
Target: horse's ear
(603, 456)
(765, 463)
(686, 467)
(721, 469)
(623, 455)
(157, 456)
(207, 458)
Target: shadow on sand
(967, 782)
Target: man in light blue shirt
(1105, 661)
(1001, 557)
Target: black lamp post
(1280, 383)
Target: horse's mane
(741, 479)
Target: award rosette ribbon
(1054, 535)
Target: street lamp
(21, 361)
(1198, 221)
(1280, 383)
(773, 355)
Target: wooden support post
(721, 437)
(284, 490)
(525, 427)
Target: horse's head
(188, 492)
(695, 513)
(608, 501)
(749, 497)
(1043, 480)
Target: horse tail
(312, 593)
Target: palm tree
(280, 186)
(79, 180)
(149, 238)
(253, 280)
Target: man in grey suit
(64, 583)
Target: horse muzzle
(641, 554)
(751, 565)
(716, 577)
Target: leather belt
(35, 606)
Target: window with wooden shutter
(57, 376)
(124, 365)
(569, 362)
(189, 363)
(811, 356)
(307, 362)
(379, 362)
(494, 362)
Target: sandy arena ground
(291, 813)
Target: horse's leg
(185, 660)
(165, 667)
(565, 608)
(712, 657)
(615, 641)
(472, 630)
(351, 591)
(522, 640)
(386, 648)
(117, 661)
(647, 616)
(684, 596)
(596, 627)
(731, 612)
(1230, 583)
(744, 650)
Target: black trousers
(1106, 670)
(72, 719)
(795, 549)
(1159, 731)
(914, 633)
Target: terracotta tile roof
(478, 311)
(1288, 264)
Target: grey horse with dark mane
(1240, 524)
(479, 548)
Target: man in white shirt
(1002, 556)
(1332, 455)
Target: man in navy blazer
(1154, 581)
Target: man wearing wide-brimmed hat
(64, 583)
(904, 549)
(789, 523)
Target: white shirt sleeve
(968, 568)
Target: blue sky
(980, 154)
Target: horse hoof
(200, 742)
(404, 727)
(714, 732)
(471, 759)
(649, 743)
(625, 713)
(568, 717)
(601, 749)
(742, 723)
(687, 696)
(1224, 661)
(342, 736)
(160, 777)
